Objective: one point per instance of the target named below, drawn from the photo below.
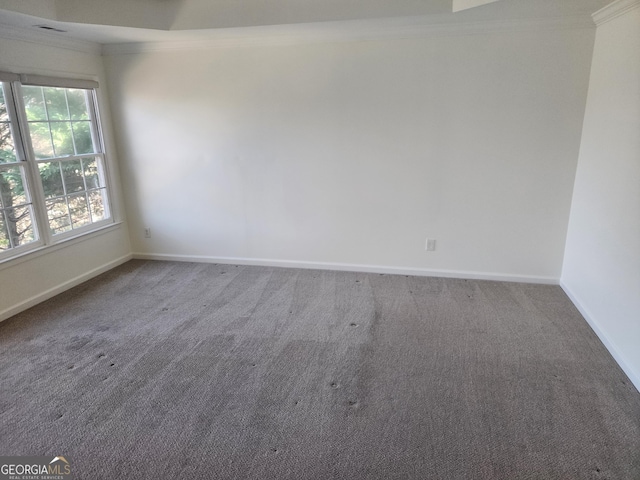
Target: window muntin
(63, 166)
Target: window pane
(20, 225)
(5, 244)
(91, 173)
(82, 137)
(12, 187)
(34, 103)
(62, 140)
(56, 102)
(96, 202)
(58, 214)
(4, 114)
(79, 210)
(7, 146)
(7, 149)
(41, 139)
(72, 173)
(77, 104)
(51, 179)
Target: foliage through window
(52, 165)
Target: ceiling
(126, 21)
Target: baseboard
(608, 343)
(52, 292)
(349, 267)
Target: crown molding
(345, 31)
(10, 32)
(614, 10)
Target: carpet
(200, 371)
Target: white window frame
(26, 158)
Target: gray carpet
(198, 371)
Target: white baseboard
(47, 294)
(349, 267)
(608, 343)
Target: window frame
(26, 159)
(18, 145)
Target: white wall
(355, 152)
(31, 279)
(602, 262)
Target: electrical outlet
(430, 245)
(147, 232)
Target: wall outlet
(430, 245)
(147, 232)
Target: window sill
(67, 242)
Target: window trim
(46, 249)
(25, 155)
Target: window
(53, 183)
